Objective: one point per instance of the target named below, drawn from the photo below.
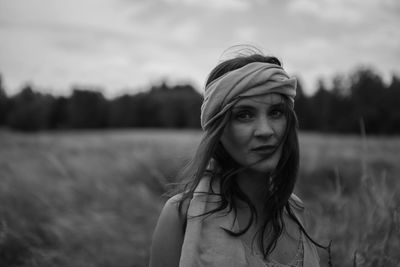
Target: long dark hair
(282, 181)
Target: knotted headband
(253, 79)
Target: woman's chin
(262, 168)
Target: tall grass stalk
(363, 222)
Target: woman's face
(253, 133)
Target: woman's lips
(264, 149)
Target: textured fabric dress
(206, 244)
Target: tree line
(161, 106)
(361, 98)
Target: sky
(125, 46)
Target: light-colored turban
(253, 79)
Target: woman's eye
(277, 113)
(244, 116)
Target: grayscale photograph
(199, 133)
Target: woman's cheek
(241, 133)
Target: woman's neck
(254, 185)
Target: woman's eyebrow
(278, 105)
(243, 106)
(250, 106)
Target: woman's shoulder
(170, 226)
(174, 199)
(296, 202)
(178, 203)
(298, 208)
(171, 220)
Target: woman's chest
(288, 246)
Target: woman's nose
(263, 128)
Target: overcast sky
(126, 45)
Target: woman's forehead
(266, 99)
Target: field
(93, 198)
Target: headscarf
(253, 79)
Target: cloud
(186, 32)
(246, 33)
(120, 43)
(338, 11)
(220, 5)
(346, 11)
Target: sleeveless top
(206, 244)
(255, 259)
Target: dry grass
(92, 198)
(356, 205)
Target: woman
(238, 207)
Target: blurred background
(100, 105)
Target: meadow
(92, 198)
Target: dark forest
(359, 100)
